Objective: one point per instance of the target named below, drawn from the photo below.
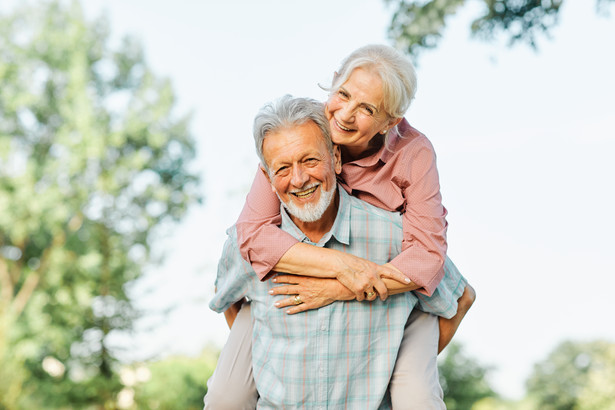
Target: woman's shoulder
(409, 140)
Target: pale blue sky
(524, 143)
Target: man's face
(301, 170)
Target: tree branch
(6, 283)
(24, 294)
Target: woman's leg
(415, 383)
(448, 327)
(232, 387)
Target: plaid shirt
(338, 356)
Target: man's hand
(231, 313)
(308, 293)
(364, 278)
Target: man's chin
(313, 210)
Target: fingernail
(276, 304)
(407, 280)
(271, 291)
(274, 280)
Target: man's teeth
(305, 193)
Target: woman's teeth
(342, 127)
(305, 193)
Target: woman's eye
(368, 110)
(343, 94)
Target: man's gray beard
(311, 212)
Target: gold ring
(297, 300)
(370, 294)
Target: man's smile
(307, 192)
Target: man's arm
(233, 280)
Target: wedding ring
(370, 294)
(297, 300)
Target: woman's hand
(364, 278)
(308, 293)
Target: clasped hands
(357, 279)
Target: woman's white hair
(394, 69)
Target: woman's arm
(261, 242)
(267, 247)
(357, 274)
(424, 218)
(315, 293)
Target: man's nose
(299, 177)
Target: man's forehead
(307, 136)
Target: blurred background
(126, 152)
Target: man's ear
(337, 159)
(267, 176)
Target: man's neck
(317, 229)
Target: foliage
(177, 382)
(495, 403)
(575, 376)
(599, 391)
(93, 165)
(419, 24)
(463, 380)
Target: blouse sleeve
(261, 242)
(424, 219)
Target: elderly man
(338, 356)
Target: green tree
(573, 377)
(599, 391)
(94, 165)
(463, 380)
(177, 382)
(417, 25)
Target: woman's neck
(350, 154)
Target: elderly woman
(389, 164)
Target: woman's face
(355, 111)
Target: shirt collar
(386, 151)
(340, 229)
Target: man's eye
(281, 170)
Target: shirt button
(323, 327)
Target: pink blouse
(401, 177)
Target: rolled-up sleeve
(424, 219)
(261, 242)
(234, 276)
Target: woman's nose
(346, 112)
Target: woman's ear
(394, 121)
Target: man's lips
(307, 192)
